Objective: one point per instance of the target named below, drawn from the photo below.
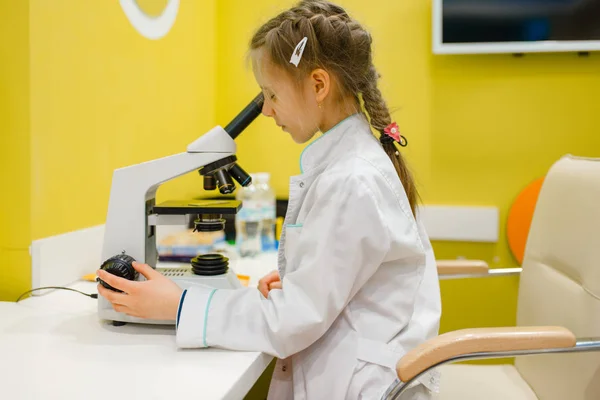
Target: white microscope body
(132, 218)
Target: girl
(356, 286)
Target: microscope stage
(179, 207)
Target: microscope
(130, 230)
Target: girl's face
(293, 105)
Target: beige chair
(558, 316)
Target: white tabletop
(55, 347)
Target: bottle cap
(261, 177)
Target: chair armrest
(468, 341)
(461, 267)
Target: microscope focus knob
(121, 266)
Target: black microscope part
(121, 266)
(241, 176)
(209, 182)
(209, 227)
(224, 182)
(210, 264)
(210, 169)
(245, 118)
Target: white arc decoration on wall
(148, 26)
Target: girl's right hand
(268, 282)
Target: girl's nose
(267, 110)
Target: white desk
(54, 347)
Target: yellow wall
(15, 272)
(102, 96)
(480, 127)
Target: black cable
(93, 295)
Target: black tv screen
(517, 21)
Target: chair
(558, 312)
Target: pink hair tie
(392, 133)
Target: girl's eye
(273, 97)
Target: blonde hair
(341, 46)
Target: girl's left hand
(157, 298)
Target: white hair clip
(298, 51)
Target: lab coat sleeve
(200, 297)
(344, 239)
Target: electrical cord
(92, 295)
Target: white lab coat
(360, 284)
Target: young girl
(356, 286)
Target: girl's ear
(321, 82)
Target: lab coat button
(301, 184)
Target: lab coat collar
(321, 149)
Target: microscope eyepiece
(245, 118)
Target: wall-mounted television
(515, 26)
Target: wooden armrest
(461, 267)
(468, 341)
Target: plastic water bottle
(255, 223)
(266, 196)
(248, 221)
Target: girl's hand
(268, 282)
(156, 298)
